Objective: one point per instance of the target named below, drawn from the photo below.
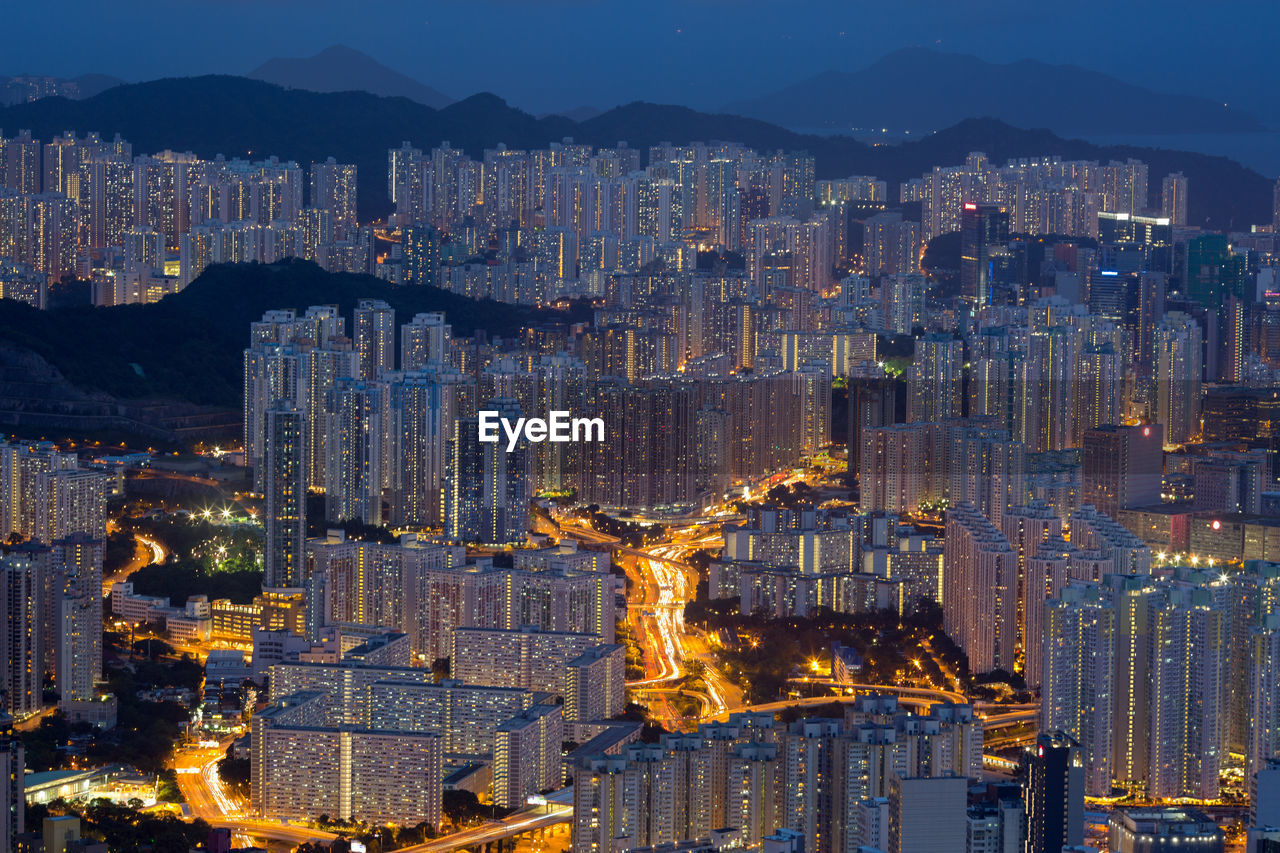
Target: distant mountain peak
(923, 89)
(339, 68)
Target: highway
(515, 824)
(559, 809)
(145, 552)
(212, 801)
(918, 697)
(666, 583)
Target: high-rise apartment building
(374, 332)
(936, 379)
(527, 755)
(1122, 467)
(29, 588)
(354, 412)
(926, 814)
(1173, 198)
(77, 566)
(980, 590)
(1053, 792)
(982, 228)
(284, 556)
(1179, 371)
(890, 245)
(486, 487)
(304, 767)
(1146, 675)
(333, 188)
(13, 805)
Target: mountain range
(342, 69)
(921, 90)
(235, 116)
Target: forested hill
(188, 347)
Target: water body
(1259, 151)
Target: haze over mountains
(913, 89)
(342, 69)
(921, 90)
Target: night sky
(558, 54)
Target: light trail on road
(209, 799)
(158, 552)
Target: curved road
(559, 809)
(211, 800)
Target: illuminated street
(211, 800)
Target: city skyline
(677, 483)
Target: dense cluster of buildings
(1161, 678)
(1049, 447)
(791, 561)
(53, 514)
(370, 423)
(845, 784)
(139, 227)
(531, 659)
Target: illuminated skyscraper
(1179, 371)
(78, 639)
(873, 403)
(421, 246)
(423, 408)
(1124, 185)
(354, 451)
(322, 367)
(1173, 198)
(890, 245)
(982, 227)
(980, 590)
(52, 226)
(935, 379)
(1263, 721)
(22, 163)
(1147, 669)
(27, 583)
(594, 686)
(62, 166)
(284, 558)
(272, 375)
(424, 341)
(163, 195)
(486, 487)
(1188, 681)
(375, 338)
(527, 756)
(1028, 528)
(1122, 467)
(13, 805)
(109, 194)
(1054, 794)
(985, 468)
(1077, 693)
(333, 188)
(1047, 376)
(1098, 383)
